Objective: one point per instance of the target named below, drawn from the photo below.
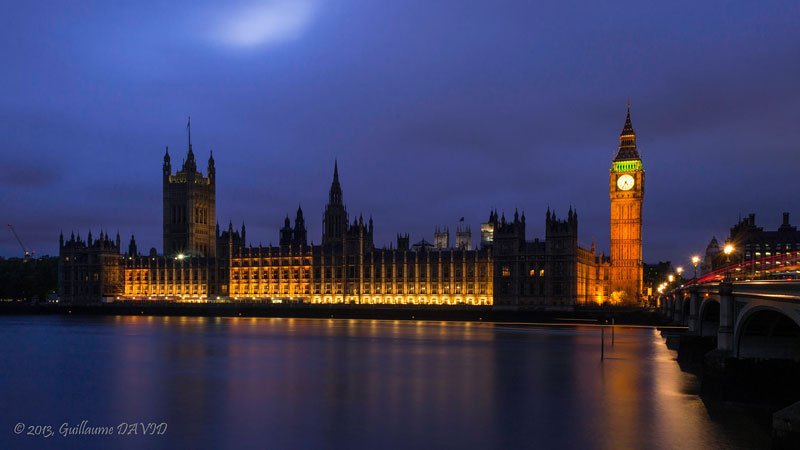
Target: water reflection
(282, 383)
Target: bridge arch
(766, 331)
(708, 317)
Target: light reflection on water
(298, 383)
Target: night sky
(434, 109)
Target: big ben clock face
(625, 182)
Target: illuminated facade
(378, 276)
(202, 262)
(626, 190)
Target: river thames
(310, 383)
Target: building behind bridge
(760, 252)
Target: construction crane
(27, 254)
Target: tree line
(28, 280)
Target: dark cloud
(27, 175)
(435, 110)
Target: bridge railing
(782, 266)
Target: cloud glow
(267, 22)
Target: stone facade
(189, 208)
(626, 190)
(201, 262)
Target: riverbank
(620, 315)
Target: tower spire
(336, 171)
(335, 195)
(167, 167)
(627, 140)
(189, 165)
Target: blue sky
(435, 110)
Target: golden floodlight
(728, 249)
(695, 260)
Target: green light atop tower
(626, 166)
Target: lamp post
(728, 250)
(695, 262)
(679, 271)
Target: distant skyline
(434, 110)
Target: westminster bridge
(750, 319)
(743, 332)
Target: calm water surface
(296, 383)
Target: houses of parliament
(203, 262)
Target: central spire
(335, 195)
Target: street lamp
(671, 278)
(728, 249)
(695, 262)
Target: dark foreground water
(296, 383)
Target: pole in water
(602, 342)
(612, 331)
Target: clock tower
(626, 189)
